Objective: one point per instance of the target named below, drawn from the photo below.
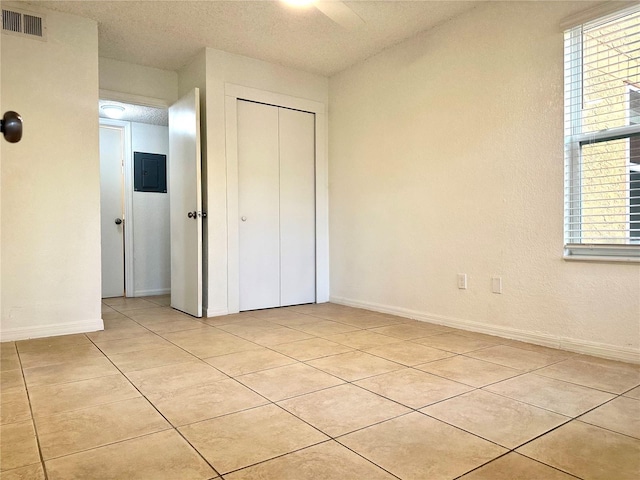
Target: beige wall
(50, 183)
(446, 157)
(132, 79)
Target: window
(602, 137)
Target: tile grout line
(175, 429)
(33, 419)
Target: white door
(185, 204)
(276, 183)
(111, 211)
(297, 207)
(259, 204)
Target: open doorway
(136, 258)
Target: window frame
(575, 139)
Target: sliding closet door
(259, 206)
(297, 207)
(276, 202)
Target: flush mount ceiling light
(299, 3)
(113, 111)
(336, 10)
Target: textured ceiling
(139, 113)
(167, 34)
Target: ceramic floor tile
(11, 380)
(92, 427)
(633, 393)
(19, 447)
(249, 328)
(49, 343)
(413, 388)
(154, 357)
(288, 381)
(498, 419)
(121, 304)
(159, 456)
(275, 336)
(454, 342)
(164, 300)
(156, 314)
(273, 313)
(295, 321)
(621, 415)
(309, 349)
(250, 361)
(365, 321)
(361, 339)
(201, 402)
(128, 329)
(9, 359)
(418, 447)
(145, 341)
(556, 353)
(614, 377)
(561, 397)
(587, 452)
(227, 319)
(325, 327)
(516, 467)
(14, 407)
(469, 371)
(342, 409)
(69, 372)
(210, 345)
(513, 357)
(408, 353)
(64, 397)
(245, 438)
(408, 331)
(326, 461)
(175, 325)
(76, 354)
(353, 366)
(170, 378)
(30, 472)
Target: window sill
(600, 258)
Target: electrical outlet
(496, 284)
(462, 281)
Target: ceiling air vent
(25, 24)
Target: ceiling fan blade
(340, 13)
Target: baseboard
(151, 293)
(570, 344)
(211, 312)
(25, 333)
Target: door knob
(244, 219)
(118, 221)
(193, 215)
(11, 127)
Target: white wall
(446, 157)
(225, 68)
(50, 183)
(151, 239)
(131, 79)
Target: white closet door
(258, 206)
(297, 207)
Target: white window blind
(602, 137)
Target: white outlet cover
(496, 284)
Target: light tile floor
(309, 392)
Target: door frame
(233, 93)
(127, 173)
